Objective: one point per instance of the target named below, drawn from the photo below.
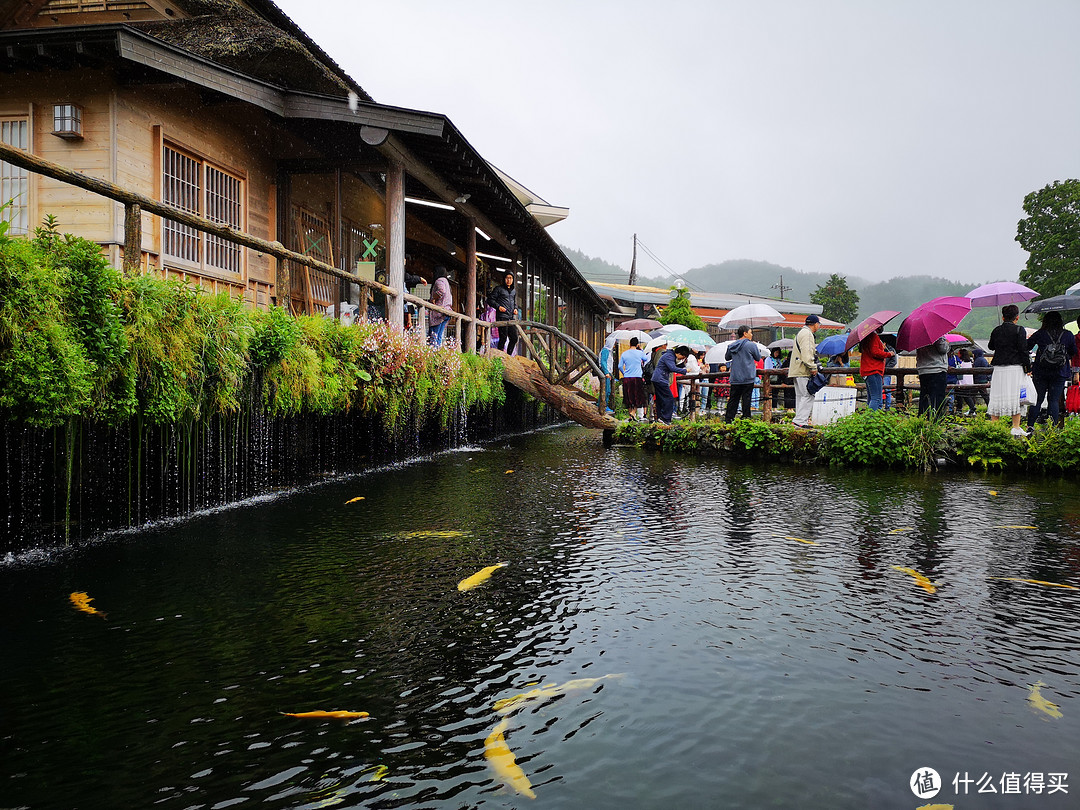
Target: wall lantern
(67, 121)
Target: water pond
(684, 632)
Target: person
(411, 282)
(440, 297)
(964, 395)
(631, 366)
(742, 354)
(672, 362)
(980, 361)
(503, 299)
(775, 360)
(607, 365)
(803, 365)
(694, 368)
(872, 357)
(887, 383)
(1052, 366)
(931, 363)
(1012, 361)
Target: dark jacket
(666, 367)
(1042, 339)
(503, 296)
(1008, 342)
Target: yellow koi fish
(508, 472)
(354, 500)
(801, 540)
(378, 772)
(327, 715)
(902, 529)
(935, 807)
(993, 492)
(82, 601)
(1037, 582)
(482, 575)
(920, 580)
(1016, 527)
(1045, 706)
(502, 761)
(507, 705)
(586, 492)
(430, 533)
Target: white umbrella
(655, 342)
(667, 329)
(718, 353)
(751, 315)
(624, 335)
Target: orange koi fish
(327, 715)
(920, 579)
(354, 500)
(82, 601)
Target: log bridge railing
(135, 203)
(564, 360)
(901, 390)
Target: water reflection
(756, 670)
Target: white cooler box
(830, 403)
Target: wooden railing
(135, 203)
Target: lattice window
(199, 187)
(15, 181)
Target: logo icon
(925, 783)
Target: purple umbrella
(1000, 293)
(931, 320)
(868, 325)
(644, 324)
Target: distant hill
(758, 278)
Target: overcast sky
(872, 138)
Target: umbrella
(868, 325)
(1058, 303)
(958, 341)
(646, 324)
(1000, 293)
(833, 344)
(655, 342)
(751, 315)
(718, 353)
(782, 343)
(694, 338)
(668, 329)
(931, 320)
(624, 335)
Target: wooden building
(228, 110)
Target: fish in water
(1016, 527)
(1045, 706)
(920, 580)
(508, 472)
(354, 500)
(935, 807)
(327, 715)
(507, 705)
(502, 761)
(82, 601)
(801, 540)
(901, 529)
(482, 575)
(430, 533)
(1037, 582)
(993, 492)
(377, 773)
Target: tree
(1050, 233)
(838, 301)
(679, 310)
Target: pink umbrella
(931, 320)
(644, 324)
(1000, 293)
(868, 325)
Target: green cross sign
(312, 243)
(369, 249)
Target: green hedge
(78, 339)
(873, 439)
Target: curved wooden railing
(562, 358)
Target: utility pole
(781, 287)
(633, 264)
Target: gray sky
(872, 138)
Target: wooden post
(132, 239)
(395, 256)
(282, 280)
(766, 396)
(469, 343)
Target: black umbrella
(1057, 303)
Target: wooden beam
(395, 255)
(470, 285)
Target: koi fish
(993, 492)
(920, 580)
(502, 761)
(586, 492)
(1045, 706)
(82, 602)
(327, 715)
(935, 807)
(1037, 582)
(354, 500)
(1016, 527)
(800, 540)
(482, 575)
(430, 533)
(508, 472)
(902, 529)
(544, 693)
(378, 772)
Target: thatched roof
(278, 51)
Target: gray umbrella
(1057, 303)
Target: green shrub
(867, 438)
(988, 444)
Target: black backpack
(1054, 355)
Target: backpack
(1054, 355)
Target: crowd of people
(1018, 379)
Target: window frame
(25, 205)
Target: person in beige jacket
(803, 367)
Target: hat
(812, 319)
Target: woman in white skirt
(1012, 363)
